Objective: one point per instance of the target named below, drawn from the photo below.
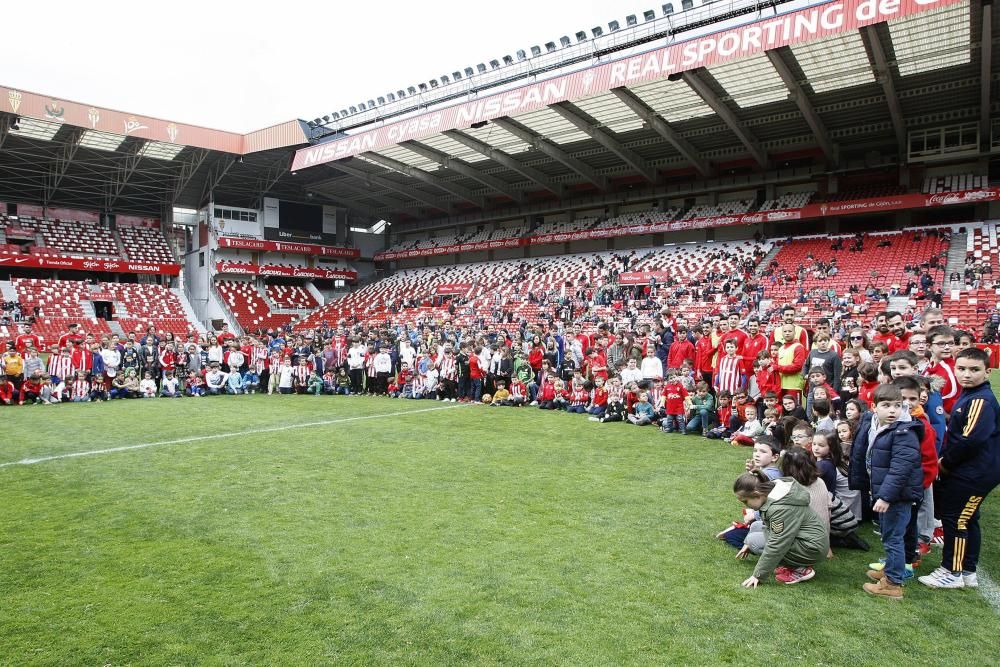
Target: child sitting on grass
(702, 413)
(643, 414)
(794, 537)
(726, 418)
(751, 429)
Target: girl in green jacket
(796, 538)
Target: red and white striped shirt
(274, 365)
(616, 394)
(517, 390)
(302, 373)
(61, 366)
(448, 367)
(730, 376)
(579, 396)
(80, 389)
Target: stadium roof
(835, 95)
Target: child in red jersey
(674, 394)
(598, 400)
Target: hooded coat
(794, 533)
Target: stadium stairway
(898, 303)
(188, 310)
(764, 263)
(7, 291)
(956, 256)
(116, 328)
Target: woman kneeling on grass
(796, 538)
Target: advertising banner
(784, 29)
(241, 268)
(291, 248)
(94, 265)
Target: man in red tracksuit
(680, 350)
(704, 355)
(476, 376)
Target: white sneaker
(533, 403)
(452, 400)
(970, 580)
(942, 578)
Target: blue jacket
(935, 414)
(892, 469)
(972, 449)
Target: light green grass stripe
(216, 436)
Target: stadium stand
(953, 183)
(789, 201)
(293, 297)
(76, 239)
(143, 244)
(735, 207)
(508, 283)
(147, 305)
(801, 274)
(58, 303)
(248, 306)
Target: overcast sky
(242, 66)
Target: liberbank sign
(795, 27)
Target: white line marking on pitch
(215, 436)
(990, 591)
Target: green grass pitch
(446, 535)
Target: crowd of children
(896, 423)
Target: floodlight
(391, 97)
(550, 46)
(469, 71)
(521, 55)
(434, 83)
(456, 76)
(371, 104)
(354, 110)
(343, 113)
(613, 26)
(687, 4)
(535, 51)
(631, 20)
(507, 60)
(648, 15)
(422, 87)
(564, 41)
(481, 68)
(597, 31)
(495, 64)
(411, 90)
(381, 100)
(581, 36)
(326, 119)
(336, 115)
(445, 80)
(361, 106)
(668, 8)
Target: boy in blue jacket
(886, 459)
(969, 470)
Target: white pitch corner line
(215, 436)
(990, 591)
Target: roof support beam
(429, 179)
(58, 169)
(779, 60)
(270, 179)
(123, 173)
(465, 169)
(986, 74)
(189, 167)
(384, 183)
(604, 138)
(728, 116)
(884, 76)
(215, 176)
(543, 145)
(5, 122)
(505, 160)
(663, 128)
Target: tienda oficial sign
(93, 265)
(793, 27)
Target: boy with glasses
(942, 340)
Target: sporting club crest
(14, 97)
(94, 115)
